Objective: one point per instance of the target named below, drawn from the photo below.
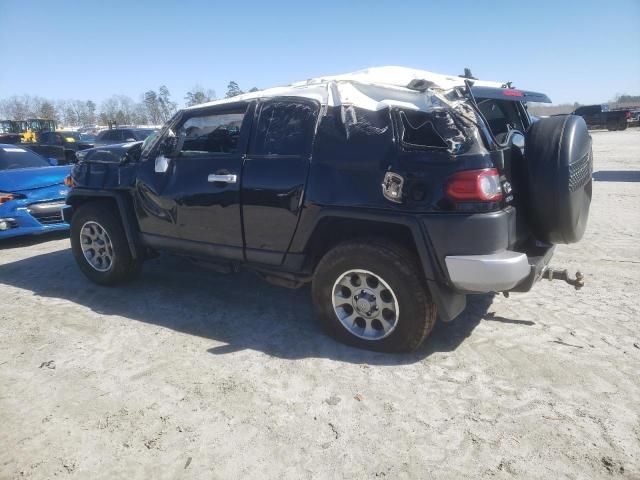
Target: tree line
(154, 107)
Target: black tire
(124, 267)
(398, 267)
(559, 164)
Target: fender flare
(79, 196)
(450, 303)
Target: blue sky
(584, 51)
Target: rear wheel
(372, 295)
(100, 246)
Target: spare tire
(559, 163)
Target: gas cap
(392, 187)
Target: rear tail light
(627, 115)
(68, 181)
(475, 186)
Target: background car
(122, 135)
(599, 116)
(70, 142)
(32, 193)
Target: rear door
(274, 176)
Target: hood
(114, 153)
(31, 178)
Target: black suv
(395, 192)
(120, 135)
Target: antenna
(468, 74)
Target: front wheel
(100, 246)
(371, 295)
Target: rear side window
(110, 135)
(213, 133)
(141, 134)
(590, 110)
(284, 128)
(418, 130)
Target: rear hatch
(505, 112)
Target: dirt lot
(192, 374)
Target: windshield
(40, 125)
(12, 158)
(7, 127)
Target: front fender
(122, 199)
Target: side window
(214, 133)
(418, 130)
(589, 110)
(284, 128)
(109, 135)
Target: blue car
(32, 193)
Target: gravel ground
(192, 374)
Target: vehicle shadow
(27, 240)
(242, 311)
(617, 176)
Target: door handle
(226, 178)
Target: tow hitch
(551, 274)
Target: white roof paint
(372, 88)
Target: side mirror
(52, 161)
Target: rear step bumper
(495, 272)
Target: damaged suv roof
(372, 89)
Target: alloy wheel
(365, 304)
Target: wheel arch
(333, 227)
(119, 201)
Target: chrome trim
(227, 178)
(495, 272)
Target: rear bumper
(477, 253)
(498, 272)
(494, 272)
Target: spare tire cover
(559, 163)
